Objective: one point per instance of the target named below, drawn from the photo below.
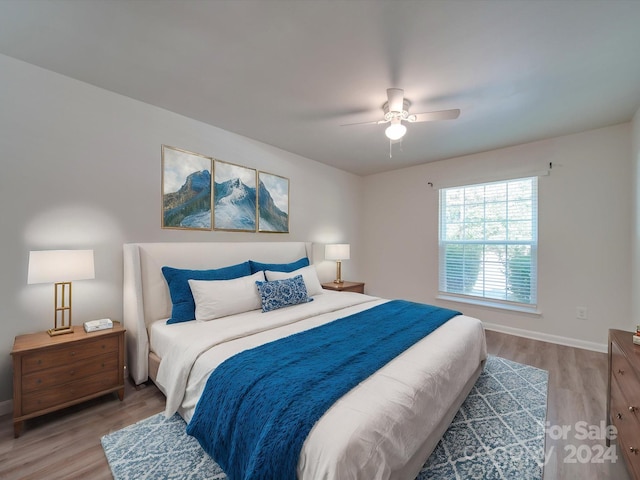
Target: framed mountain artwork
(273, 203)
(234, 197)
(186, 189)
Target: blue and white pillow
(282, 293)
(184, 306)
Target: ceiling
(290, 73)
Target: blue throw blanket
(258, 406)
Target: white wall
(634, 319)
(585, 207)
(81, 168)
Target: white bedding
(370, 433)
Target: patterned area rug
(498, 433)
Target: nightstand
(51, 373)
(357, 287)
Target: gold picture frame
(186, 189)
(273, 203)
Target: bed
(384, 427)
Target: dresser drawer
(67, 373)
(620, 410)
(69, 392)
(628, 382)
(628, 428)
(65, 355)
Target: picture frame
(234, 197)
(186, 189)
(273, 203)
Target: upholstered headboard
(146, 294)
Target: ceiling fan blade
(396, 99)
(377, 122)
(433, 116)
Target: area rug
(498, 433)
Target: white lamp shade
(396, 130)
(337, 251)
(51, 266)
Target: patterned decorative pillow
(282, 293)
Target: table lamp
(60, 267)
(337, 252)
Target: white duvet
(373, 431)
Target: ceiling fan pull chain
(390, 143)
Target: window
(488, 242)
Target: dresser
(51, 373)
(623, 397)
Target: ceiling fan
(396, 111)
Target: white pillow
(219, 298)
(309, 275)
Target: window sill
(489, 304)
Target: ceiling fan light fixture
(396, 130)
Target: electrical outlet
(581, 313)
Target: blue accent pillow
(282, 293)
(279, 267)
(184, 307)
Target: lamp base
(338, 272)
(59, 331)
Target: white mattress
(370, 433)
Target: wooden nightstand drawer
(68, 392)
(64, 355)
(67, 373)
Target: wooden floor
(66, 445)
(577, 393)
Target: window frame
(532, 244)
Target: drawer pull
(73, 354)
(619, 416)
(632, 408)
(620, 371)
(633, 450)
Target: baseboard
(6, 407)
(545, 337)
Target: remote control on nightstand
(95, 325)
